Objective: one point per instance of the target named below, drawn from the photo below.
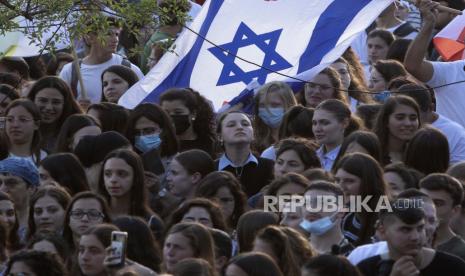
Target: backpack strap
(404, 30)
(126, 62)
(74, 76)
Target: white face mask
(320, 226)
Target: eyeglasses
(91, 214)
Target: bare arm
(414, 59)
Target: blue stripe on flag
(178, 77)
(329, 28)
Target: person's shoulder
(369, 265)
(446, 260)
(366, 251)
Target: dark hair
(70, 106)
(204, 122)
(385, 35)
(141, 245)
(371, 183)
(123, 72)
(93, 149)
(428, 151)
(71, 125)
(398, 49)
(212, 182)
(36, 67)
(405, 209)
(10, 79)
(13, 242)
(16, 65)
(444, 182)
(53, 238)
(394, 84)
(67, 233)
(9, 91)
(112, 117)
(409, 176)
(342, 112)
(368, 114)
(288, 178)
(102, 232)
(390, 69)
(368, 140)
(323, 185)
(57, 193)
(223, 243)
(196, 160)
(211, 207)
(54, 62)
(305, 149)
(381, 128)
(326, 264)
(35, 113)
(66, 169)
(318, 174)
(41, 263)
(419, 93)
(193, 266)
(297, 121)
(256, 264)
(279, 243)
(138, 193)
(169, 143)
(249, 224)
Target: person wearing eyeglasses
(19, 179)
(326, 85)
(22, 122)
(85, 210)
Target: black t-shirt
(442, 264)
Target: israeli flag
(232, 43)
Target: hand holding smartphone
(117, 252)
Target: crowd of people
(191, 187)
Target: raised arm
(414, 60)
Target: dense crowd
(195, 191)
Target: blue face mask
(318, 227)
(147, 142)
(272, 117)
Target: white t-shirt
(91, 75)
(366, 251)
(455, 134)
(450, 100)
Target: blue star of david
(231, 73)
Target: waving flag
(233, 42)
(450, 41)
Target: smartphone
(119, 242)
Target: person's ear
(196, 177)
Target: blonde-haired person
(271, 102)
